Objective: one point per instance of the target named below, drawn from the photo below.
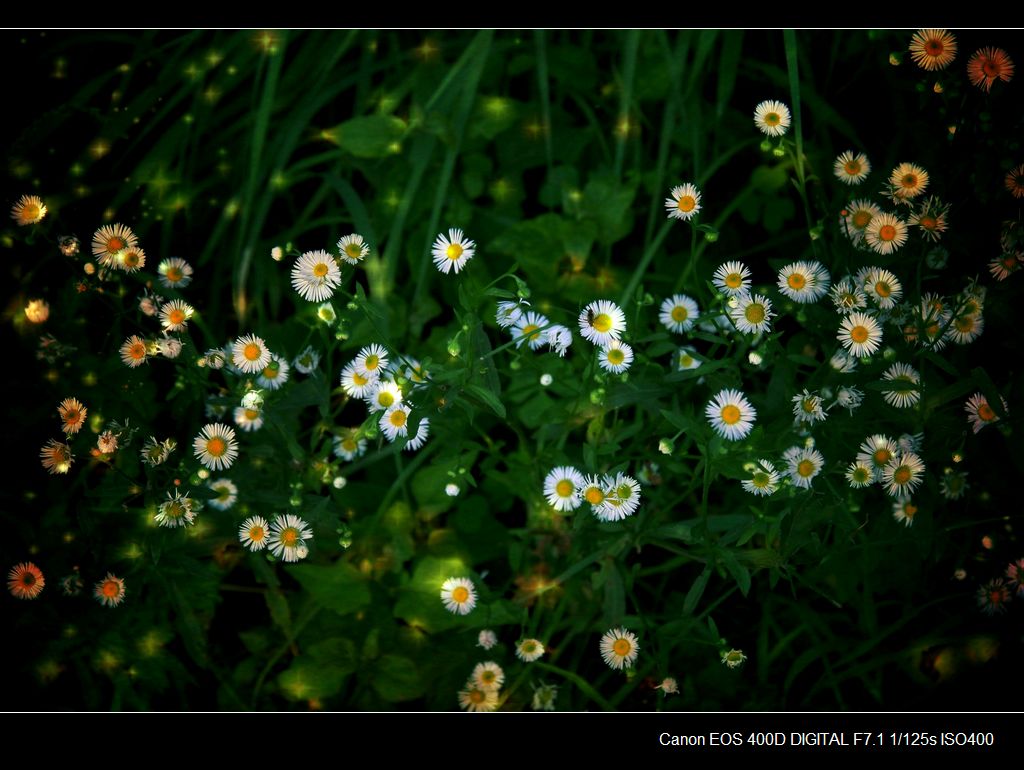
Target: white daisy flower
(904, 512)
(248, 419)
(559, 338)
(851, 168)
(382, 395)
(227, 494)
(250, 354)
(176, 511)
(616, 357)
(804, 282)
(488, 675)
(174, 315)
(763, 481)
(175, 273)
(772, 118)
(395, 421)
(843, 362)
(685, 359)
(601, 322)
(215, 358)
(847, 296)
(903, 474)
(133, 351)
(855, 218)
(353, 249)
(902, 388)
(619, 648)
(803, 465)
(980, 413)
(422, 433)
(807, 407)
(883, 287)
(849, 397)
(621, 498)
(453, 252)
(678, 313)
(877, 451)
(288, 535)
(509, 312)
(253, 533)
(415, 373)
(529, 650)
(458, 595)
(752, 313)
(562, 488)
(732, 278)
(966, 328)
(354, 383)
(111, 240)
(593, 490)
(528, 329)
(372, 360)
(731, 415)
(860, 474)
(348, 445)
(478, 699)
(860, 334)
(486, 639)
(307, 361)
(885, 233)
(684, 202)
(216, 446)
(274, 374)
(315, 275)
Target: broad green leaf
(373, 136)
(338, 587)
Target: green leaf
(679, 530)
(488, 398)
(372, 136)
(696, 591)
(337, 653)
(339, 587)
(614, 595)
(396, 678)
(307, 679)
(739, 573)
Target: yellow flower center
(397, 418)
(320, 270)
(796, 281)
(131, 258)
(964, 323)
(594, 495)
(354, 250)
(616, 356)
(603, 322)
(860, 219)
(730, 414)
(173, 274)
(909, 510)
(460, 594)
(290, 537)
(909, 181)
(530, 331)
(477, 696)
(860, 475)
(251, 414)
(679, 314)
(358, 379)
(772, 119)
(859, 334)
(622, 647)
(883, 289)
(256, 533)
(760, 479)
(216, 446)
(805, 468)
(754, 313)
(252, 352)
(564, 488)
(686, 203)
(733, 280)
(453, 252)
(372, 362)
(487, 677)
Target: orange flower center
(733, 280)
(622, 647)
(883, 289)
(290, 537)
(928, 222)
(320, 270)
(796, 281)
(861, 219)
(111, 589)
(852, 167)
(986, 413)
(137, 351)
(909, 181)
(256, 533)
(887, 233)
(173, 274)
(397, 417)
(477, 696)
(882, 456)
(252, 352)
(730, 414)
(114, 245)
(859, 334)
(216, 446)
(460, 594)
(772, 119)
(176, 316)
(686, 203)
(902, 475)
(594, 496)
(754, 313)
(909, 510)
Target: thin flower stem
(579, 681)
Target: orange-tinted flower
(25, 581)
(993, 597)
(72, 414)
(1015, 181)
(28, 210)
(110, 590)
(56, 457)
(933, 49)
(986, 65)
